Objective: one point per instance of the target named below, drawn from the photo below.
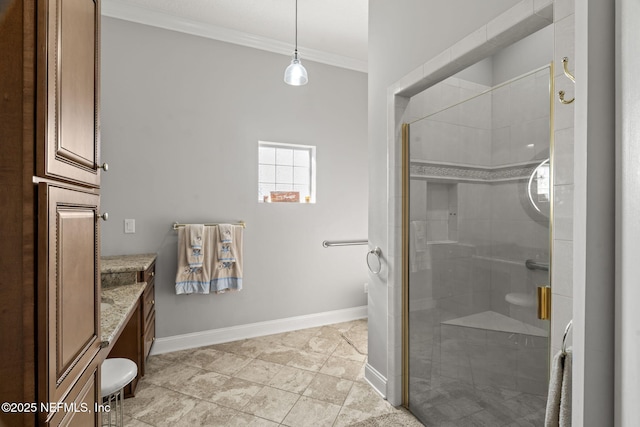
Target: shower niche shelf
(442, 212)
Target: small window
(286, 173)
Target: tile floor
(311, 377)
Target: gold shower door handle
(544, 302)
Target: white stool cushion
(116, 373)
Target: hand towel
(195, 252)
(225, 244)
(227, 275)
(226, 232)
(190, 279)
(559, 398)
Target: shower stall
(477, 233)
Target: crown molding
(128, 12)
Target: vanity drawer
(148, 302)
(149, 273)
(149, 335)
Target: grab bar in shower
(329, 243)
(536, 265)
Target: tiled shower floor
(464, 375)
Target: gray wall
(403, 35)
(181, 120)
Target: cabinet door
(82, 407)
(68, 287)
(70, 71)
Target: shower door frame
(405, 220)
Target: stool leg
(121, 396)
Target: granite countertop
(124, 263)
(117, 302)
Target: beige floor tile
(329, 389)
(235, 393)
(271, 403)
(296, 339)
(343, 368)
(343, 326)
(361, 378)
(207, 414)
(348, 416)
(298, 379)
(359, 325)
(292, 379)
(321, 344)
(203, 384)
(328, 332)
(247, 348)
(228, 364)
(172, 356)
(259, 371)
(307, 360)
(358, 339)
(173, 376)
(364, 399)
(247, 420)
(129, 422)
(308, 412)
(278, 354)
(325, 340)
(155, 363)
(346, 351)
(201, 357)
(158, 406)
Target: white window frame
(311, 149)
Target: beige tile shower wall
(562, 249)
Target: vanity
(127, 310)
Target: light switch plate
(129, 226)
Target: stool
(116, 374)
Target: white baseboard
(252, 330)
(376, 380)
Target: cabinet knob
(104, 216)
(153, 273)
(104, 167)
(153, 302)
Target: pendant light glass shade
(295, 74)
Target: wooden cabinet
(49, 180)
(67, 152)
(68, 270)
(67, 155)
(84, 398)
(68, 84)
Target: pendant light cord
(296, 26)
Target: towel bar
(328, 243)
(240, 224)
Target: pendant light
(296, 74)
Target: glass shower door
(478, 230)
